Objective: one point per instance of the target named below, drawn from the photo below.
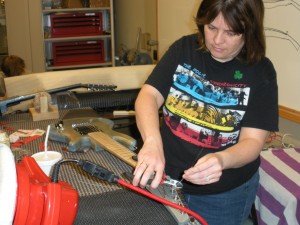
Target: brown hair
(243, 17)
(13, 65)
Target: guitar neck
(17, 99)
(115, 148)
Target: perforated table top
(100, 202)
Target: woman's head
(237, 24)
(13, 66)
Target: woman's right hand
(150, 165)
(151, 160)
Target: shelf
(79, 66)
(77, 38)
(49, 11)
(62, 27)
(3, 36)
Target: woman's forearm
(246, 150)
(147, 116)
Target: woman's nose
(219, 37)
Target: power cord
(106, 175)
(275, 137)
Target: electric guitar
(97, 133)
(17, 99)
(78, 134)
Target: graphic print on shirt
(204, 112)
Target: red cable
(25, 141)
(274, 136)
(162, 200)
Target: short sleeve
(162, 75)
(262, 111)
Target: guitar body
(75, 133)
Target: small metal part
(60, 125)
(172, 182)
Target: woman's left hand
(207, 170)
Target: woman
(227, 56)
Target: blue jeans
(229, 208)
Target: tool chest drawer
(76, 24)
(78, 52)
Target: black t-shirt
(206, 104)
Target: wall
(24, 32)
(18, 30)
(175, 19)
(283, 47)
(131, 15)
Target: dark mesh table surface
(100, 202)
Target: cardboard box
(72, 4)
(99, 3)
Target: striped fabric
(278, 197)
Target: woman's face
(221, 41)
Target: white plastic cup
(46, 160)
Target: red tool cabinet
(78, 52)
(76, 24)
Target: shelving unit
(3, 35)
(78, 37)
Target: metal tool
(165, 180)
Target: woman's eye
(231, 33)
(211, 27)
